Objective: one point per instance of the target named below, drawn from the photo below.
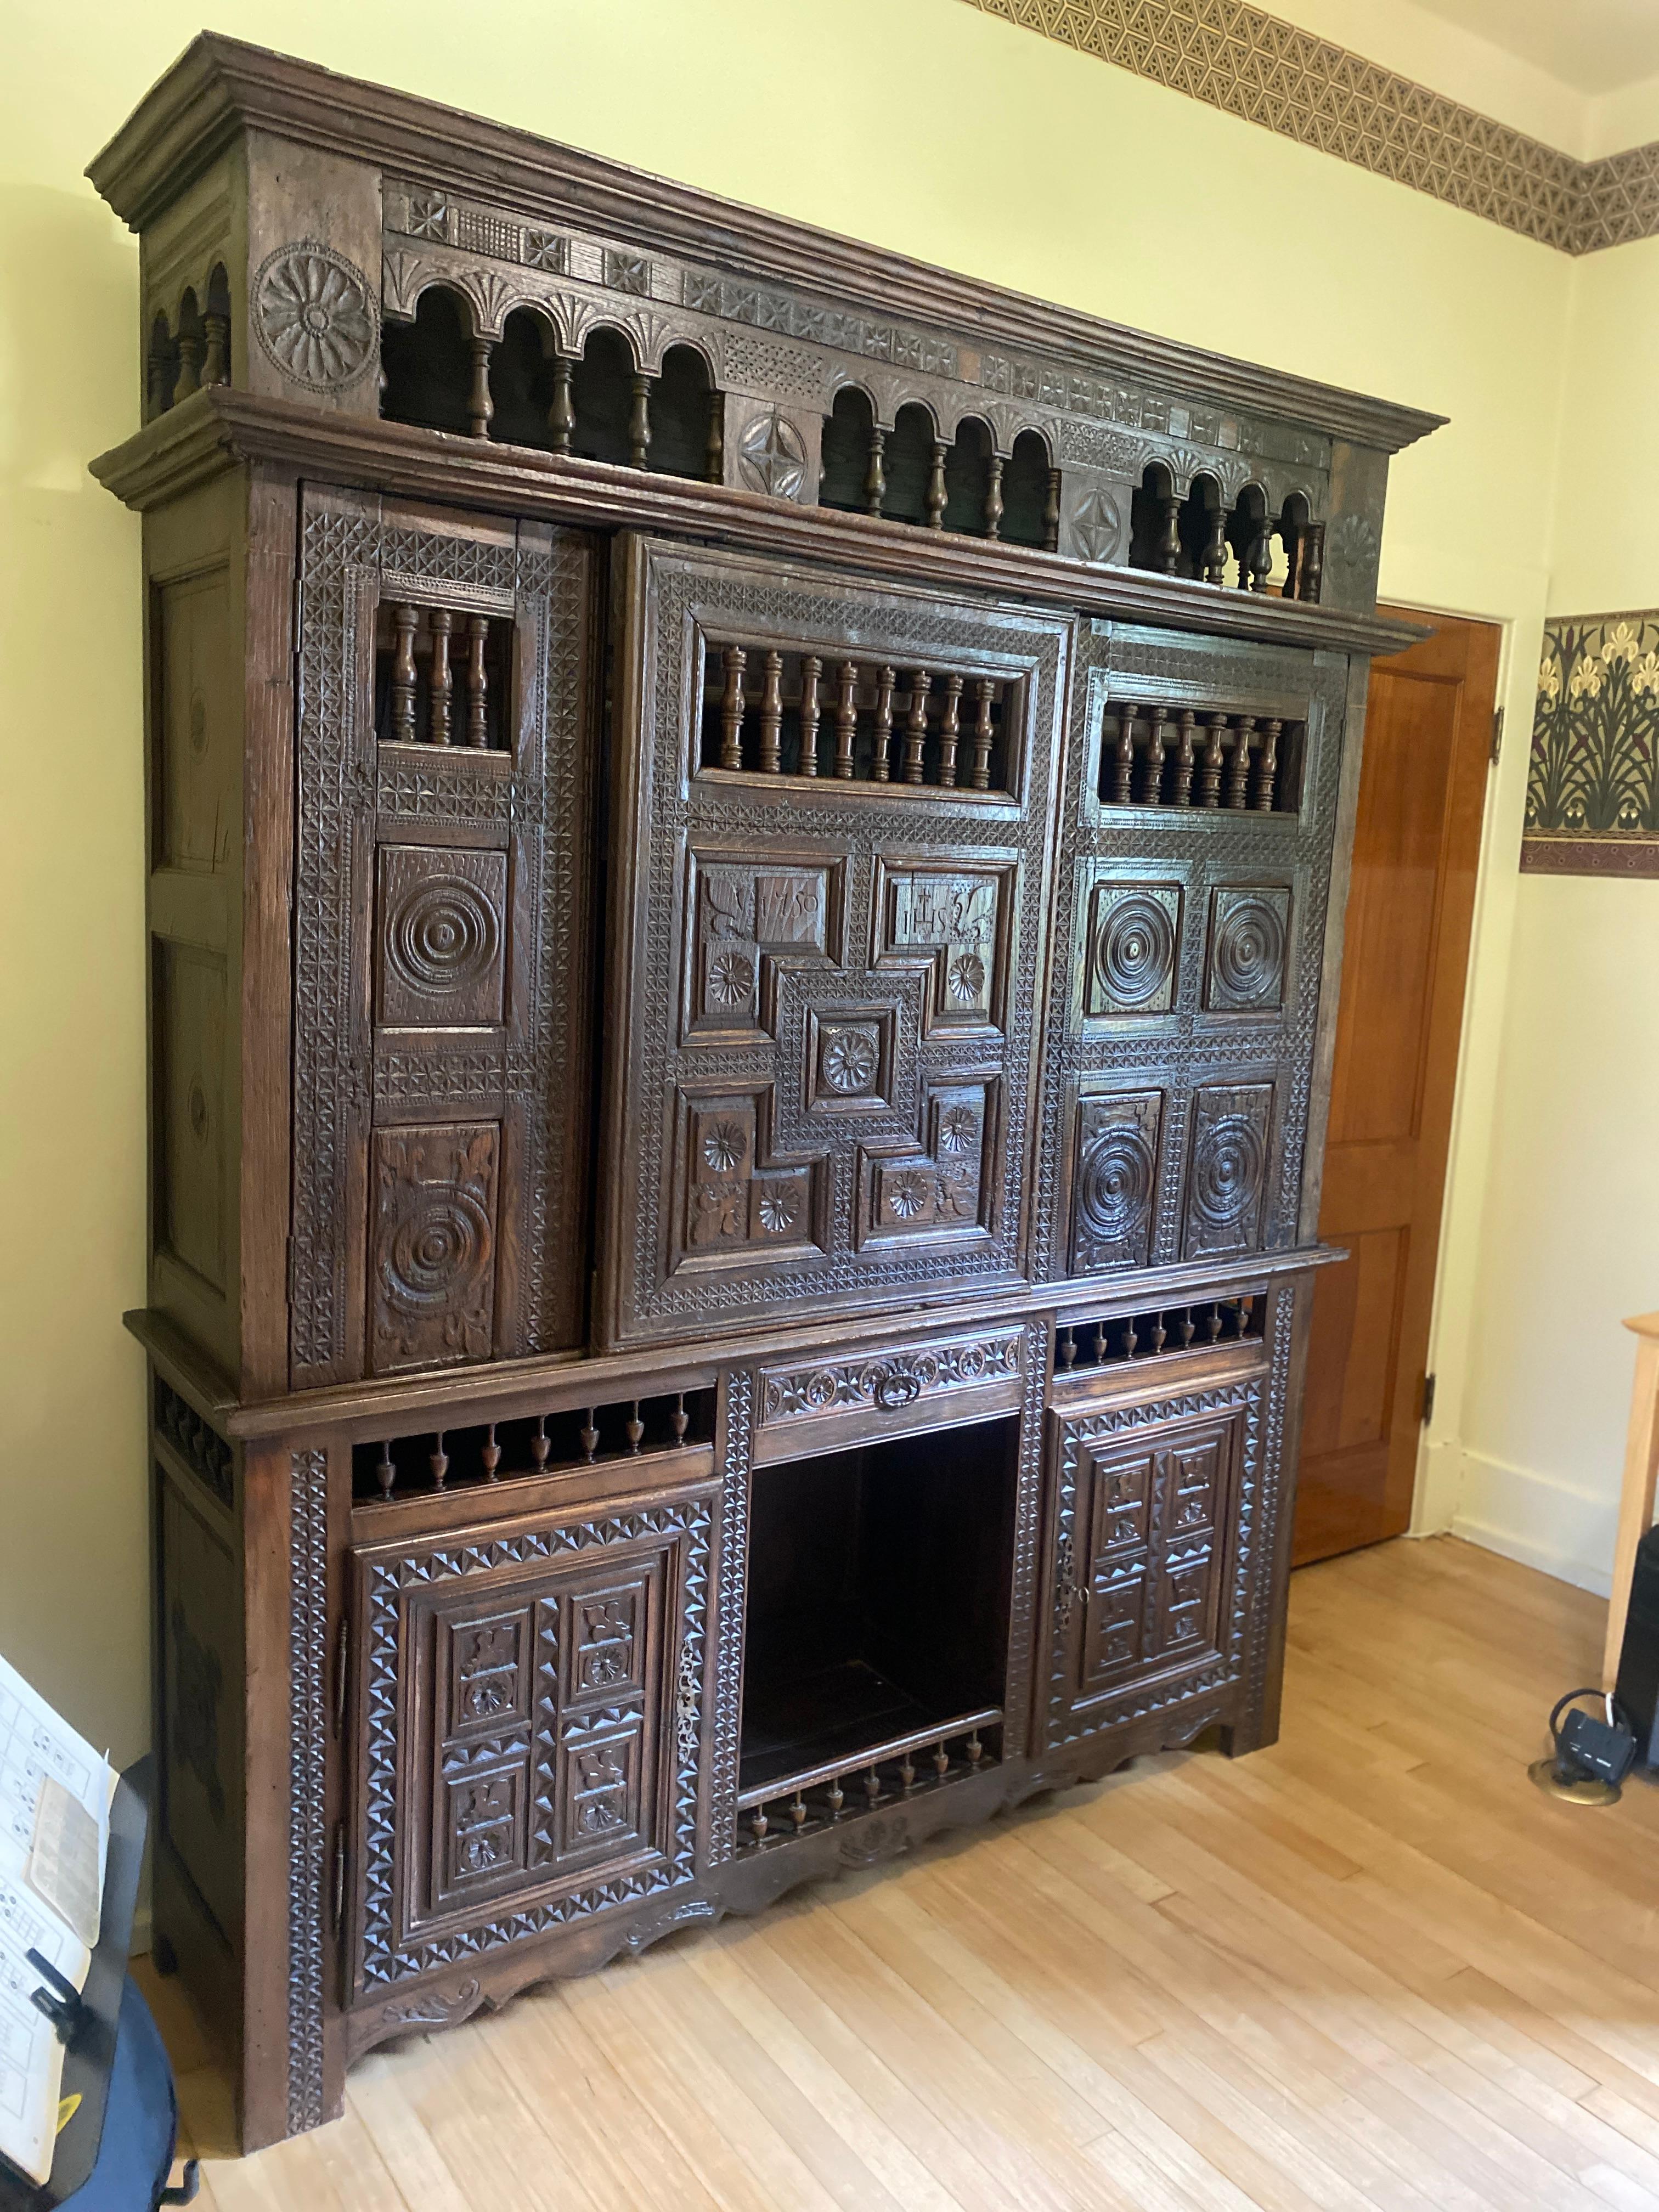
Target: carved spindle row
(189, 350)
(465, 1457)
(988, 520)
(434, 633)
(1124, 1337)
(892, 1775)
(1176, 756)
(1197, 534)
(922, 730)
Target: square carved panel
(1249, 947)
(432, 1262)
(440, 926)
(1114, 1180)
(1132, 948)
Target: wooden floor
(1371, 1967)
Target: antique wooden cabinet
(746, 852)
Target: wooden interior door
(1422, 792)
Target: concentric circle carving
(315, 315)
(1250, 951)
(1134, 950)
(1115, 1183)
(439, 1240)
(444, 935)
(1227, 1169)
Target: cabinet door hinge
(1428, 1400)
(340, 1677)
(337, 1887)
(1496, 734)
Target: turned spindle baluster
(385, 1472)
(798, 1811)
(875, 477)
(639, 422)
(936, 486)
(907, 1773)
(679, 1421)
(477, 683)
(635, 1427)
(758, 1824)
(810, 669)
(1247, 1313)
(1166, 550)
(441, 623)
(190, 362)
(539, 1446)
(1209, 781)
(438, 1460)
(561, 413)
(878, 768)
(941, 1759)
(731, 705)
(1266, 766)
(915, 725)
(979, 762)
(215, 358)
(1051, 514)
(1212, 562)
(1259, 558)
(490, 1453)
(1238, 771)
(1159, 1334)
(1212, 1326)
(872, 1786)
(846, 717)
(404, 620)
(588, 1436)
(713, 451)
(949, 731)
(1123, 758)
(1151, 781)
(771, 713)
(975, 1749)
(993, 498)
(1182, 776)
(1186, 1326)
(479, 405)
(1130, 1340)
(1100, 1343)
(1066, 1347)
(834, 1797)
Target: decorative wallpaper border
(1237, 58)
(1592, 790)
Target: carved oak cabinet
(746, 847)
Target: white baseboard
(1537, 1520)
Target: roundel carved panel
(1131, 948)
(444, 936)
(1115, 1183)
(315, 316)
(1249, 940)
(439, 1241)
(1227, 1177)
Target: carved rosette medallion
(772, 456)
(314, 315)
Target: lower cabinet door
(529, 1726)
(1151, 1550)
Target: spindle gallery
(737, 1140)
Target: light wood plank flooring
(1371, 1967)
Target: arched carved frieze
(650, 338)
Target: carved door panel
(1153, 1514)
(530, 1731)
(442, 1068)
(830, 891)
(1197, 828)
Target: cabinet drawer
(827, 1405)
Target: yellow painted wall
(923, 124)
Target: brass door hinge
(1496, 734)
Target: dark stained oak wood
(744, 931)
(1422, 798)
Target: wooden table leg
(1641, 1470)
